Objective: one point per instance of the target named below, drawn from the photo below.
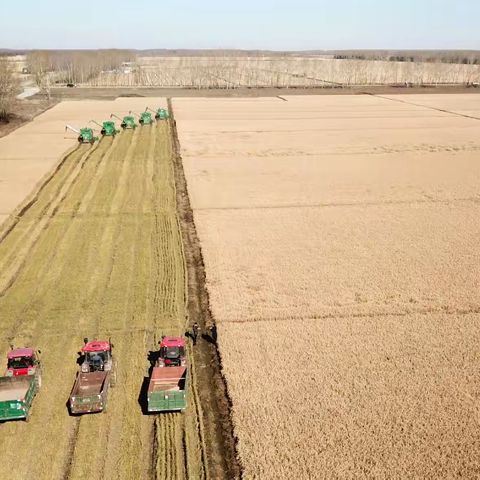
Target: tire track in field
(117, 272)
(9, 274)
(34, 209)
(25, 207)
(84, 205)
(43, 270)
(41, 303)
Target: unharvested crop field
(234, 72)
(339, 236)
(97, 253)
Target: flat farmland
(95, 251)
(29, 153)
(339, 240)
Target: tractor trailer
(22, 381)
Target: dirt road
(98, 253)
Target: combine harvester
(97, 375)
(144, 119)
(22, 381)
(108, 128)
(127, 122)
(167, 390)
(85, 135)
(160, 114)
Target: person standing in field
(213, 330)
(195, 330)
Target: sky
(244, 24)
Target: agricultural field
(94, 251)
(258, 72)
(339, 236)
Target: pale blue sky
(262, 24)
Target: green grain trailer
(167, 391)
(16, 396)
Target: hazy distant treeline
(466, 57)
(74, 66)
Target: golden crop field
(339, 240)
(259, 71)
(96, 252)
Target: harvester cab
(108, 128)
(98, 356)
(127, 122)
(172, 352)
(23, 361)
(160, 114)
(85, 135)
(144, 119)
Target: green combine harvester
(108, 128)
(127, 122)
(160, 114)
(144, 119)
(85, 135)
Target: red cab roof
(173, 342)
(96, 347)
(20, 352)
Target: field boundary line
(424, 106)
(32, 198)
(9, 277)
(333, 205)
(222, 456)
(342, 316)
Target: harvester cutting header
(85, 135)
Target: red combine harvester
(23, 361)
(172, 352)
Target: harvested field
(30, 152)
(339, 240)
(98, 253)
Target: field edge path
(222, 460)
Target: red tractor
(24, 361)
(172, 352)
(98, 358)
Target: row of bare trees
(73, 66)
(9, 86)
(465, 57)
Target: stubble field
(339, 239)
(96, 251)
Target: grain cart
(160, 114)
(22, 381)
(97, 374)
(108, 128)
(85, 135)
(172, 352)
(144, 119)
(167, 390)
(127, 122)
